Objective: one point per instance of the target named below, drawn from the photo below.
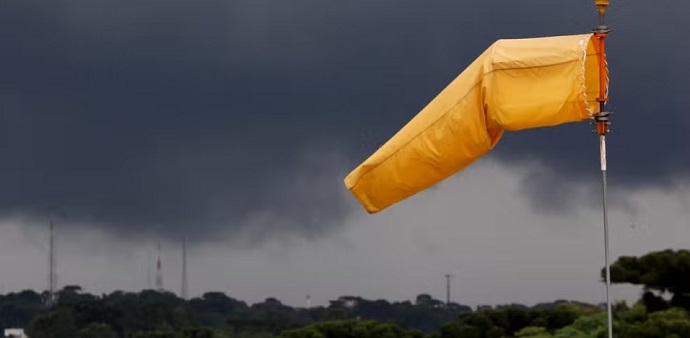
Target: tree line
(660, 312)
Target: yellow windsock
(515, 84)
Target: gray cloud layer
(200, 118)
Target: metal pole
(602, 147)
(602, 120)
(602, 128)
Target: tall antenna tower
(159, 275)
(52, 272)
(184, 270)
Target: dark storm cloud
(208, 118)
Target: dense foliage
(150, 314)
(161, 314)
(153, 314)
(629, 323)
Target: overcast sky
(233, 123)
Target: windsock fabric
(515, 84)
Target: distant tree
(469, 331)
(97, 330)
(18, 309)
(56, 324)
(509, 321)
(533, 332)
(458, 308)
(428, 301)
(197, 332)
(662, 271)
(448, 330)
(156, 334)
(658, 272)
(351, 329)
(216, 309)
(72, 288)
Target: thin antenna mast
(184, 270)
(448, 276)
(148, 268)
(52, 276)
(602, 128)
(159, 275)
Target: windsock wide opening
(543, 82)
(592, 75)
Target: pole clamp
(602, 122)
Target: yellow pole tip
(601, 6)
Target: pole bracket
(602, 122)
(602, 30)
